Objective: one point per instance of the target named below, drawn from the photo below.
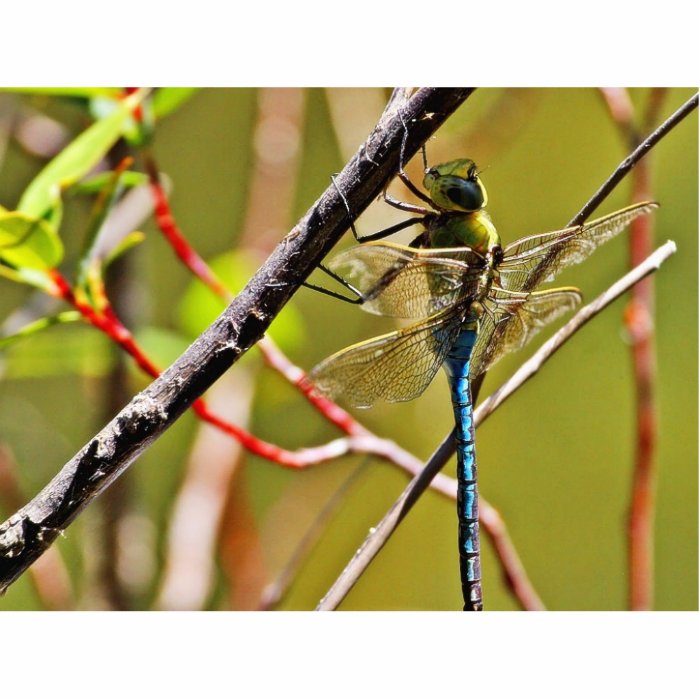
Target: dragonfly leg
(351, 219)
(402, 160)
(359, 298)
(379, 234)
(404, 206)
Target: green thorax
(453, 230)
(460, 198)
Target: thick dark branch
(28, 533)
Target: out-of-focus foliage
(74, 161)
(556, 460)
(28, 241)
(199, 306)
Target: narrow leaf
(28, 242)
(77, 159)
(167, 100)
(25, 275)
(39, 325)
(91, 185)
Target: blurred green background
(556, 459)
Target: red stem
(639, 321)
(167, 224)
(108, 323)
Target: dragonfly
(475, 301)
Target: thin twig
(379, 535)
(628, 163)
(30, 531)
(533, 365)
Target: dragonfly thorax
(453, 229)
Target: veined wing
(404, 282)
(511, 320)
(533, 260)
(394, 367)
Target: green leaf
(94, 184)
(24, 275)
(28, 242)
(77, 159)
(39, 325)
(167, 100)
(200, 306)
(89, 265)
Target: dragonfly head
(455, 186)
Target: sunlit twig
(628, 163)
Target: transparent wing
(405, 282)
(531, 261)
(511, 320)
(394, 367)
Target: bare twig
(628, 163)
(370, 444)
(639, 318)
(29, 532)
(379, 535)
(532, 366)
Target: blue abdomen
(457, 368)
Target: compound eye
(466, 195)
